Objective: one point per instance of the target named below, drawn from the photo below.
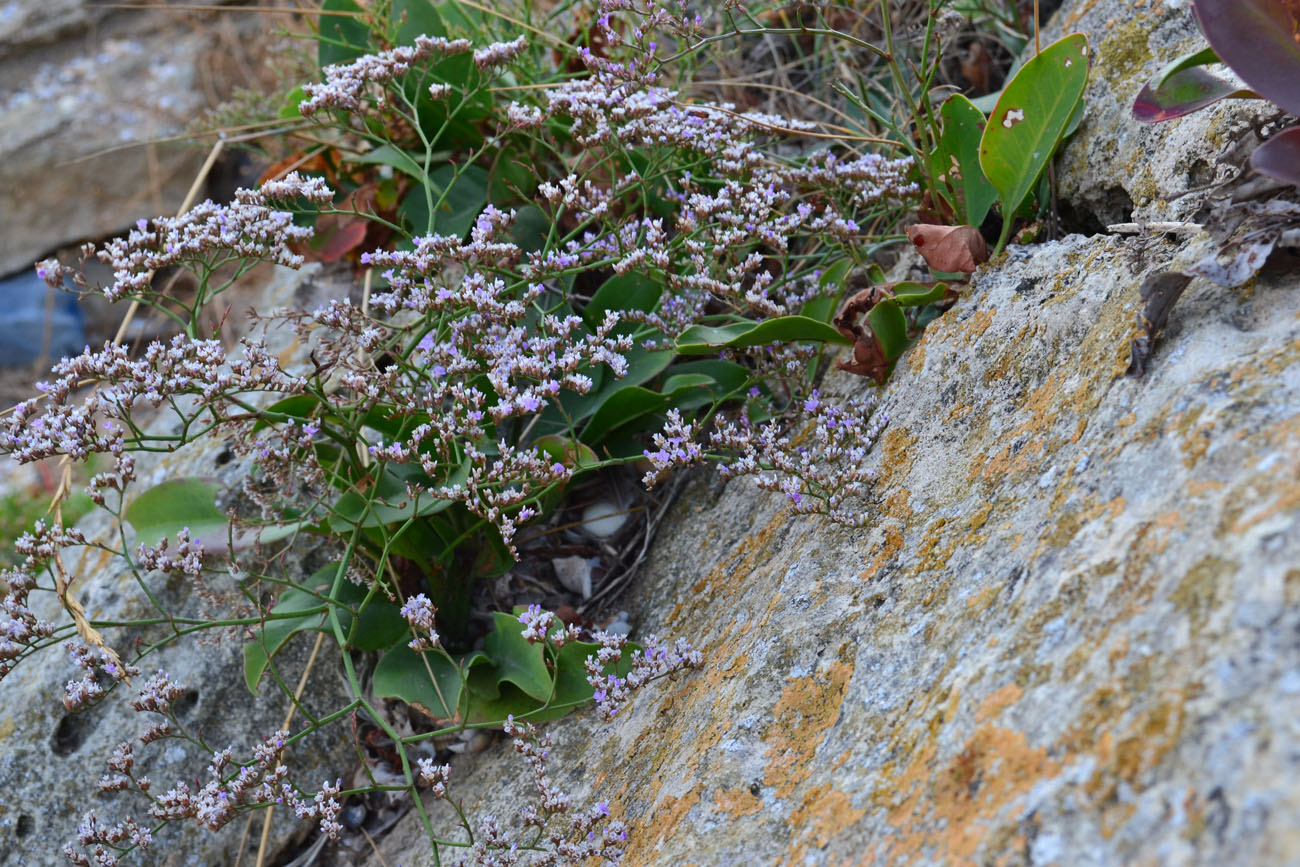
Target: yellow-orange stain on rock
(807, 709)
(998, 701)
(899, 447)
(737, 802)
(659, 826)
(823, 814)
(942, 810)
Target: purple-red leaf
(1260, 40)
(1184, 92)
(1279, 157)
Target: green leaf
(1031, 116)
(624, 406)
(517, 661)
(1182, 93)
(389, 502)
(379, 625)
(890, 327)
(908, 294)
(958, 157)
(283, 625)
(165, 509)
(404, 161)
(403, 673)
(1200, 57)
(300, 406)
(457, 201)
(530, 228)
(343, 38)
(630, 291)
(568, 451)
(418, 18)
(706, 340)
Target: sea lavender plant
(653, 292)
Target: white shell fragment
(603, 519)
(574, 573)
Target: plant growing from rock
(560, 280)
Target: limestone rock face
(51, 761)
(1115, 169)
(1071, 636)
(80, 89)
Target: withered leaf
(1159, 293)
(954, 249)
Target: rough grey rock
(51, 760)
(81, 87)
(1115, 169)
(1072, 634)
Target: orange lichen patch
(944, 810)
(731, 574)
(979, 517)
(998, 701)
(899, 445)
(974, 327)
(737, 802)
(916, 358)
(893, 544)
(959, 411)
(808, 707)
(823, 814)
(1128, 755)
(660, 825)
(982, 600)
(1068, 524)
(1288, 499)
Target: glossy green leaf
(403, 161)
(171, 506)
(1200, 57)
(1258, 40)
(621, 408)
(403, 673)
(1030, 118)
(909, 294)
(457, 199)
(890, 327)
(517, 661)
(567, 451)
(379, 625)
(706, 340)
(958, 157)
(417, 18)
(389, 503)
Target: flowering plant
(589, 274)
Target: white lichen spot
(1013, 117)
(1069, 62)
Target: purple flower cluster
(612, 692)
(352, 87)
(819, 470)
(675, 448)
(97, 663)
(209, 233)
(419, 613)
(186, 560)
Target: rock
(51, 760)
(1072, 635)
(1114, 168)
(81, 90)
